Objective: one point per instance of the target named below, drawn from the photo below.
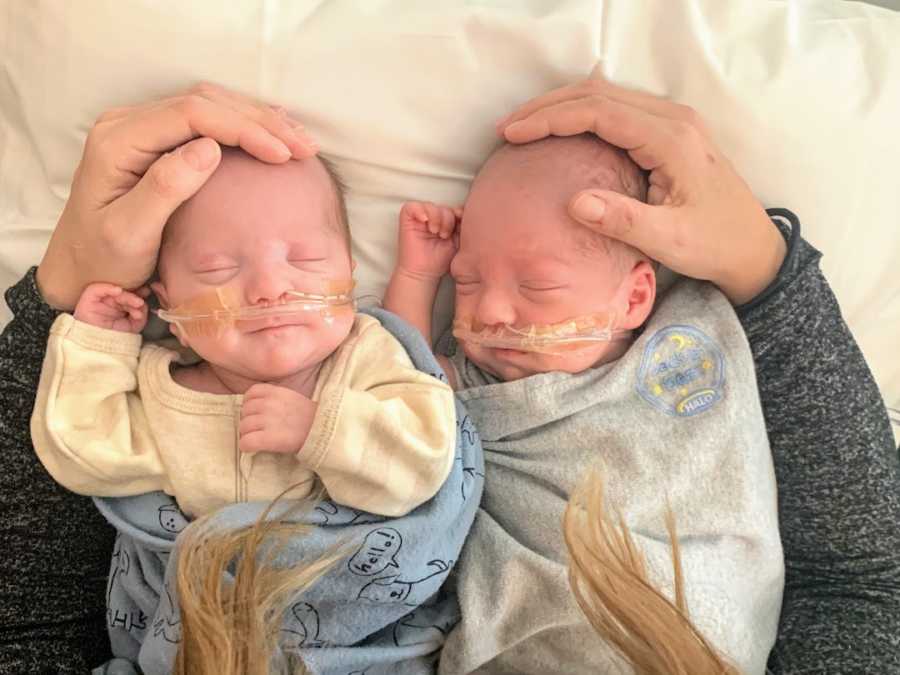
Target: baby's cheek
(334, 328)
(217, 347)
(576, 362)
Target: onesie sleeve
(384, 436)
(837, 471)
(89, 427)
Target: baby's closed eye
(218, 275)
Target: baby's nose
(266, 287)
(494, 308)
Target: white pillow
(804, 98)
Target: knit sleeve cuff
(799, 256)
(27, 304)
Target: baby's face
(522, 260)
(259, 231)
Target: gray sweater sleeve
(56, 546)
(837, 471)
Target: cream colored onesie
(109, 420)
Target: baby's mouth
(270, 323)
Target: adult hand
(139, 164)
(701, 218)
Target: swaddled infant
(565, 360)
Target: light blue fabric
(382, 610)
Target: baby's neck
(214, 379)
(617, 349)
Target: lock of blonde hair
(608, 577)
(233, 593)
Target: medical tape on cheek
(209, 314)
(551, 338)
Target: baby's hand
(274, 419)
(110, 306)
(428, 239)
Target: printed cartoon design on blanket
(168, 625)
(306, 619)
(335, 514)
(412, 593)
(471, 474)
(377, 553)
(423, 625)
(171, 519)
(116, 617)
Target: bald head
(563, 165)
(550, 172)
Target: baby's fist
(428, 238)
(274, 419)
(112, 307)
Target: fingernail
(589, 207)
(200, 155)
(307, 142)
(282, 149)
(518, 124)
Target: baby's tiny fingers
(448, 222)
(260, 390)
(418, 211)
(434, 217)
(414, 211)
(254, 441)
(103, 289)
(129, 299)
(251, 423)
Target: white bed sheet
(803, 96)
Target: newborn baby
(565, 360)
(299, 386)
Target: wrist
(759, 265)
(59, 296)
(425, 278)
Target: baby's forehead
(518, 205)
(243, 185)
(565, 164)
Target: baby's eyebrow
(545, 265)
(206, 258)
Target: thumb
(170, 180)
(623, 218)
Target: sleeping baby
(565, 360)
(292, 388)
(255, 272)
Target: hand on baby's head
(523, 261)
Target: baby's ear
(160, 292)
(640, 289)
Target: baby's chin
(512, 364)
(272, 368)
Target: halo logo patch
(682, 372)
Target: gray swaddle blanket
(676, 418)
(381, 610)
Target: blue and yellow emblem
(682, 372)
